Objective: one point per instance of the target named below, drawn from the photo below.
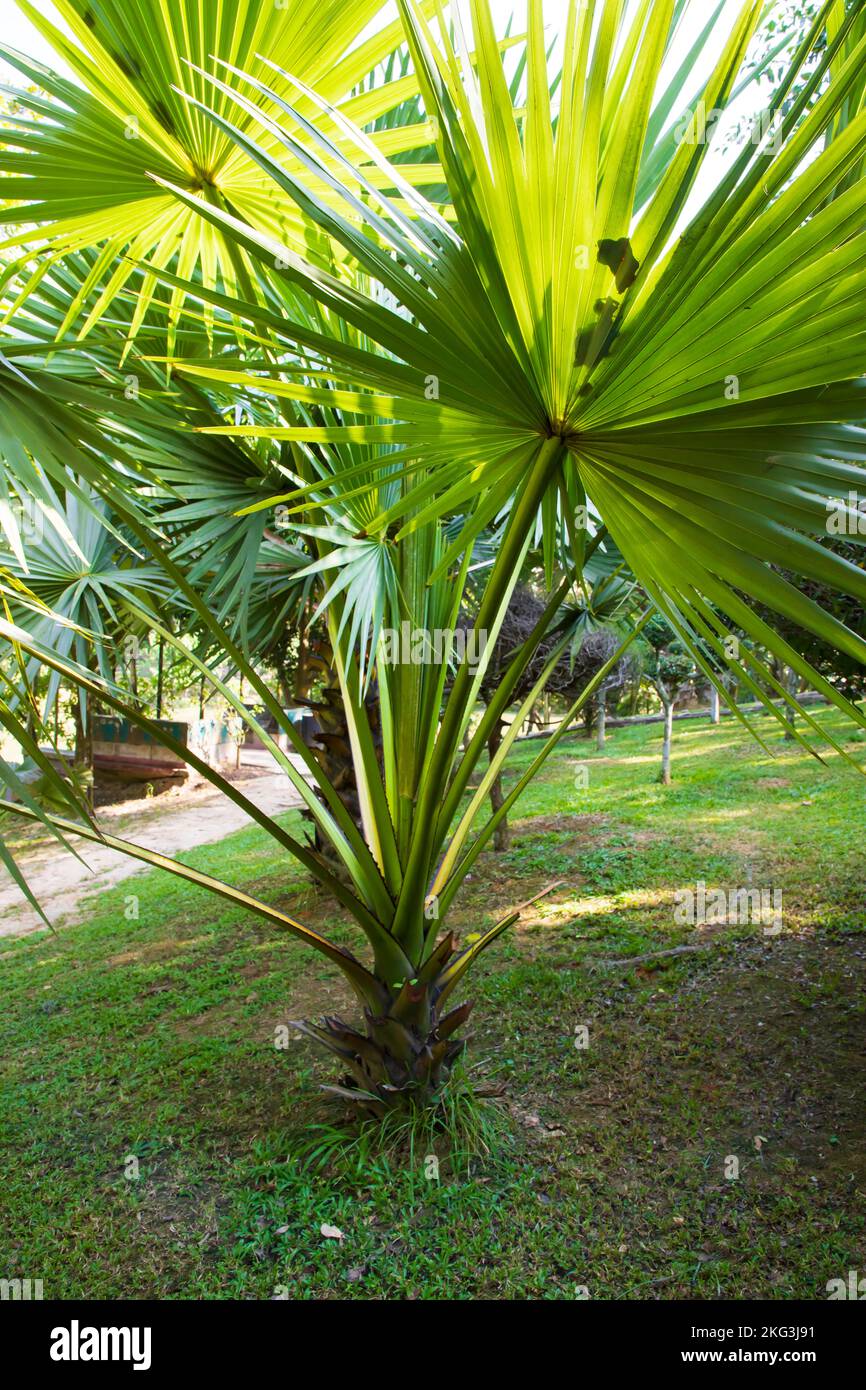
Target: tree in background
(671, 669)
(596, 650)
(842, 671)
(592, 651)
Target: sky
(17, 31)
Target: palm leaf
(622, 360)
(99, 138)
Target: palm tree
(95, 594)
(564, 332)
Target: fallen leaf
(331, 1232)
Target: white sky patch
(16, 31)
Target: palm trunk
(304, 673)
(715, 711)
(407, 1051)
(331, 744)
(160, 677)
(600, 722)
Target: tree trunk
(715, 711)
(791, 684)
(501, 835)
(666, 745)
(404, 1056)
(305, 674)
(160, 677)
(285, 687)
(83, 756)
(600, 721)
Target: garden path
(178, 820)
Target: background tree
(670, 669)
(591, 649)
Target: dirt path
(170, 824)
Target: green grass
(152, 1038)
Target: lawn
(155, 1138)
